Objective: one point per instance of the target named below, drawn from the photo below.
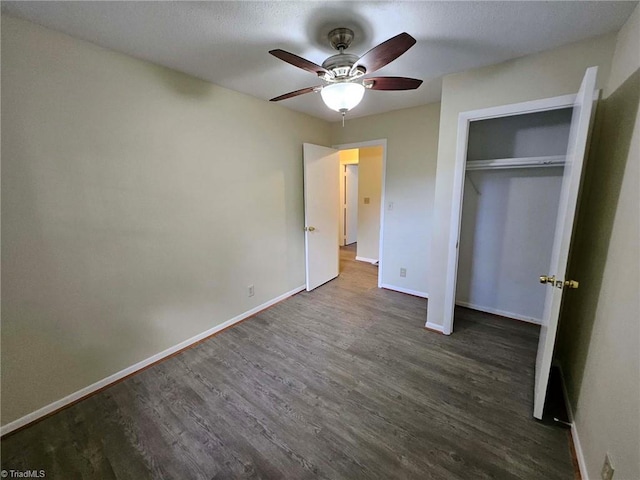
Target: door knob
(545, 279)
(309, 229)
(571, 284)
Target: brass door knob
(546, 279)
(571, 284)
(309, 229)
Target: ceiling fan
(343, 72)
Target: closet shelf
(522, 162)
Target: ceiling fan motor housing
(340, 64)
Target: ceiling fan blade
(299, 62)
(385, 53)
(392, 83)
(302, 91)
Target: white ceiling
(227, 43)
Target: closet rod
(522, 162)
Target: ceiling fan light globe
(342, 97)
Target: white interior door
(351, 197)
(556, 280)
(321, 213)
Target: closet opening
(511, 192)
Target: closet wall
(509, 213)
(520, 136)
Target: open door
(556, 277)
(321, 214)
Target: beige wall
(599, 338)
(412, 139)
(369, 186)
(626, 56)
(137, 206)
(547, 74)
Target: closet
(512, 187)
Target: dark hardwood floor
(342, 382)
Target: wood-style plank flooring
(339, 383)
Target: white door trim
(375, 143)
(464, 119)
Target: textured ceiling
(227, 43)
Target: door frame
(462, 141)
(375, 143)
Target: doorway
(362, 185)
(462, 181)
(324, 204)
(555, 277)
(513, 178)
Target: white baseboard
(74, 397)
(582, 465)
(434, 326)
(502, 313)
(368, 260)
(408, 291)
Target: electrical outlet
(403, 272)
(251, 291)
(367, 200)
(607, 468)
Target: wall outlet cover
(403, 272)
